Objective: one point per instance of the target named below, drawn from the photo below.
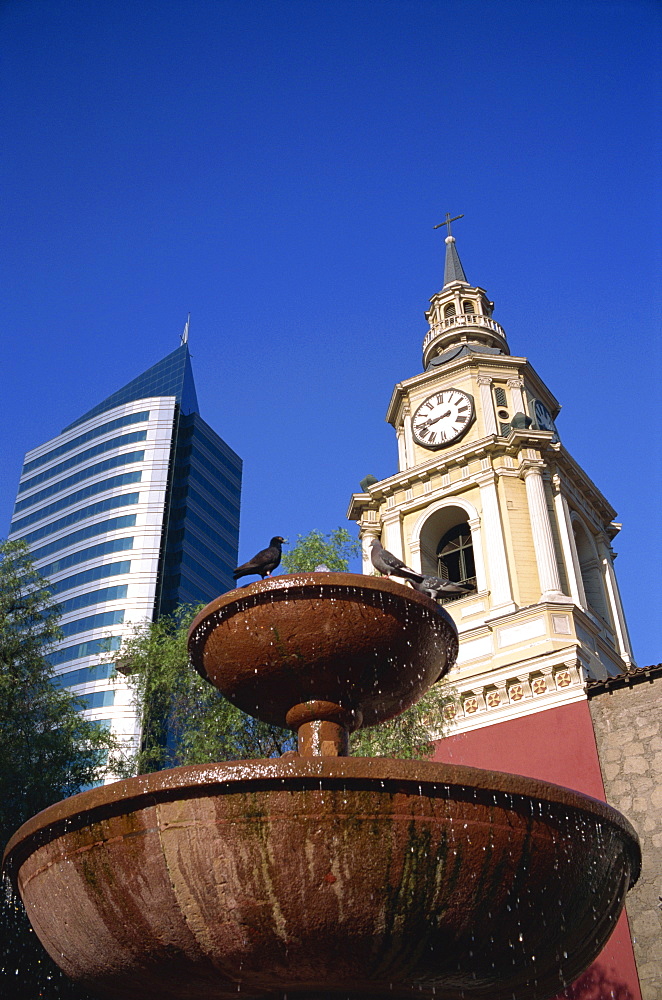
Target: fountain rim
(295, 585)
(379, 774)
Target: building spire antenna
(184, 337)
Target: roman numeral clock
(442, 418)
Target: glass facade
(173, 376)
(55, 470)
(181, 532)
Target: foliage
(48, 751)
(409, 736)
(333, 550)
(184, 719)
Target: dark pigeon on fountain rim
(265, 562)
(436, 587)
(389, 565)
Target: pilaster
(517, 396)
(543, 541)
(486, 404)
(615, 605)
(572, 569)
(501, 597)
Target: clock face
(544, 419)
(442, 418)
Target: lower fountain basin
(325, 877)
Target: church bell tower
(486, 495)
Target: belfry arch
(590, 569)
(440, 527)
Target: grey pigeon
(322, 568)
(436, 587)
(264, 562)
(388, 564)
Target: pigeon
(264, 562)
(322, 568)
(388, 564)
(436, 587)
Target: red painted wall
(556, 745)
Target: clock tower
(486, 495)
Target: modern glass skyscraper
(131, 511)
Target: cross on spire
(447, 222)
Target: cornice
(583, 484)
(489, 363)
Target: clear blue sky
(276, 168)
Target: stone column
(615, 605)
(543, 541)
(392, 533)
(487, 404)
(402, 455)
(366, 534)
(570, 557)
(500, 592)
(479, 561)
(516, 394)
(409, 439)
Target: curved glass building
(131, 511)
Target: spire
(460, 315)
(184, 337)
(453, 270)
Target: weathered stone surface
(628, 728)
(366, 644)
(326, 878)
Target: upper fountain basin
(366, 644)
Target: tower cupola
(460, 315)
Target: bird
(388, 564)
(265, 562)
(322, 568)
(436, 587)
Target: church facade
(487, 496)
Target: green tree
(333, 550)
(47, 752)
(185, 720)
(410, 735)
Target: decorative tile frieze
(516, 692)
(492, 699)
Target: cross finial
(447, 222)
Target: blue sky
(276, 168)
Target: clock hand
(443, 416)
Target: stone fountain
(319, 875)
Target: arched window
(455, 555)
(468, 307)
(449, 310)
(589, 566)
(443, 540)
